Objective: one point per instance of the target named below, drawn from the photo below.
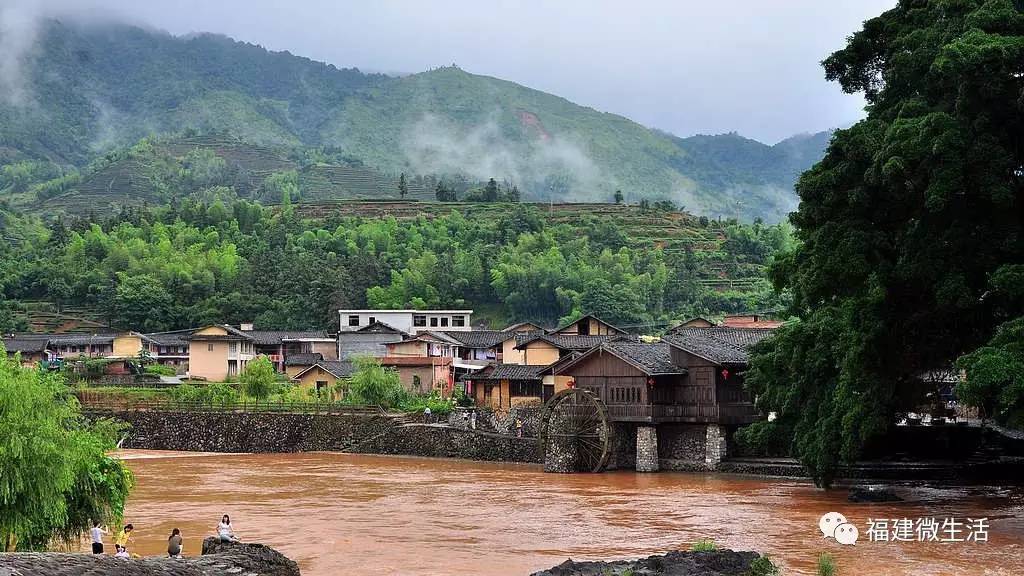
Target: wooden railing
(112, 403)
(724, 413)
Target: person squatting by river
(224, 530)
(121, 538)
(174, 544)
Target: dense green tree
(901, 224)
(371, 383)
(258, 378)
(55, 476)
(403, 186)
(491, 191)
(619, 197)
(140, 302)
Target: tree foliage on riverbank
(55, 476)
(193, 262)
(902, 226)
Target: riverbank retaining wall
(293, 432)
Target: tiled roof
(80, 339)
(173, 338)
(379, 327)
(518, 327)
(587, 317)
(415, 360)
(719, 344)
(573, 341)
(507, 372)
(232, 334)
(303, 359)
(652, 358)
(337, 368)
(272, 337)
(25, 343)
(478, 338)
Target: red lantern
(650, 381)
(725, 373)
(570, 384)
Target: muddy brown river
(351, 514)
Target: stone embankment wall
(285, 432)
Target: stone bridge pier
(668, 446)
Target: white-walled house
(408, 321)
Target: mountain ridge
(88, 99)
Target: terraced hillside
(673, 232)
(151, 174)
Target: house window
(458, 321)
(353, 320)
(417, 384)
(419, 320)
(209, 347)
(433, 321)
(373, 320)
(233, 348)
(444, 321)
(321, 387)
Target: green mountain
(84, 91)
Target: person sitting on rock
(122, 552)
(224, 530)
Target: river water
(352, 514)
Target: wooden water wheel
(575, 435)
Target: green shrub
(210, 394)
(159, 370)
(826, 564)
(439, 406)
(763, 566)
(705, 545)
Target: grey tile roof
(507, 372)
(588, 317)
(232, 333)
(653, 358)
(338, 368)
(479, 338)
(28, 343)
(272, 337)
(303, 359)
(80, 339)
(172, 338)
(573, 341)
(379, 327)
(719, 344)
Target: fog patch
(19, 27)
(552, 166)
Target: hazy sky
(685, 66)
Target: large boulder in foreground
(222, 560)
(717, 563)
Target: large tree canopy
(901, 225)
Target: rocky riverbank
(217, 560)
(716, 563)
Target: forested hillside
(196, 262)
(86, 91)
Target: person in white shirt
(97, 537)
(224, 530)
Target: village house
(219, 352)
(408, 321)
(423, 375)
(371, 340)
(170, 348)
(323, 376)
(279, 345)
